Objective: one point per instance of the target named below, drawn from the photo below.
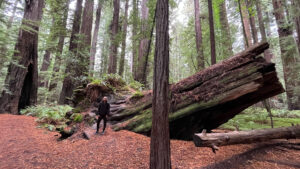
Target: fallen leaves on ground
(23, 145)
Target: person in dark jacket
(103, 110)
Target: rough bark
(289, 57)
(267, 54)
(245, 137)
(68, 86)
(160, 138)
(210, 97)
(252, 20)
(296, 5)
(95, 38)
(225, 30)
(198, 30)
(22, 82)
(245, 22)
(134, 15)
(112, 66)
(60, 46)
(85, 44)
(212, 33)
(124, 35)
(141, 73)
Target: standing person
(103, 109)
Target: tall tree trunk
(124, 35)
(198, 30)
(245, 22)
(296, 5)
(144, 43)
(160, 137)
(85, 43)
(68, 86)
(22, 82)
(289, 55)
(112, 66)
(95, 37)
(267, 54)
(134, 14)
(60, 46)
(212, 33)
(226, 35)
(250, 6)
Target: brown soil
(23, 145)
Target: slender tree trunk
(95, 38)
(198, 30)
(144, 43)
(212, 33)
(245, 22)
(296, 5)
(250, 6)
(68, 86)
(60, 46)
(124, 35)
(112, 66)
(22, 82)
(134, 40)
(226, 35)
(289, 55)
(85, 43)
(267, 54)
(160, 137)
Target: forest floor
(23, 145)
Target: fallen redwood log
(208, 98)
(214, 140)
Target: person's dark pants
(99, 120)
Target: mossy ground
(258, 118)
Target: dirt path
(23, 145)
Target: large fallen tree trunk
(210, 97)
(245, 137)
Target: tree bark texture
(296, 5)
(245, 137)
(95, 37)
(82, 69)
(22, 82)
(225, 30)
(134, 38)
(144, 43)
(212, 33)
(245, 22)
(124, 35)
(68, 86)
(198, 30)
(112, 66)
(160, 139)
(289, 57)
(210, 97)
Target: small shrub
(136, 85)
(138, 94)
(77, 117)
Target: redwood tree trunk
(68, 86)
(112, 66)
(22, 82)
(289, 56)
(245, 22)
(296, 5)
(95, 38)
(134, 38)
(160, 137)
(144, 43)
(212, 33)
(252, 20)
(124, 35)
(198, 30)
(85, 44)
(225, 29)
